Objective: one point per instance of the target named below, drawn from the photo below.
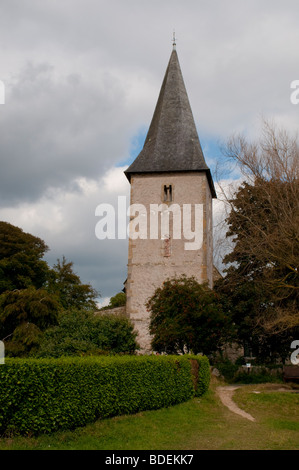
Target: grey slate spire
(172, 143)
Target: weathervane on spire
(174, 40)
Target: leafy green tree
(186, 316)
(68, 288)
(81, 332)
(261, 286)
(24, 341)
(118, 300)
(247, 304)
(264, 226)
(24, 314)
(21, 263)
(31, 293)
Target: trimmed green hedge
(204, 375)
(46, 395)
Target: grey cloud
(82, 77)
(53, 131)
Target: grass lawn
(199, 424)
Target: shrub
(234, 373)
(258, 375)
(45, 395)
(227, 369)
(80, 333)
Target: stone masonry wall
(150, 262)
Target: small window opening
(167, 193)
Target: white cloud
(104, 302)
(114, 178)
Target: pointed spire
(172, 142)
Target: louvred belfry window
(167, 193)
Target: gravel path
(225, 394)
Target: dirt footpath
(226, 393)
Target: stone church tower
(169, 176)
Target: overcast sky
(82, 78)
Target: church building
(170, 177)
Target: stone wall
(151, 261)
(112, 311)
